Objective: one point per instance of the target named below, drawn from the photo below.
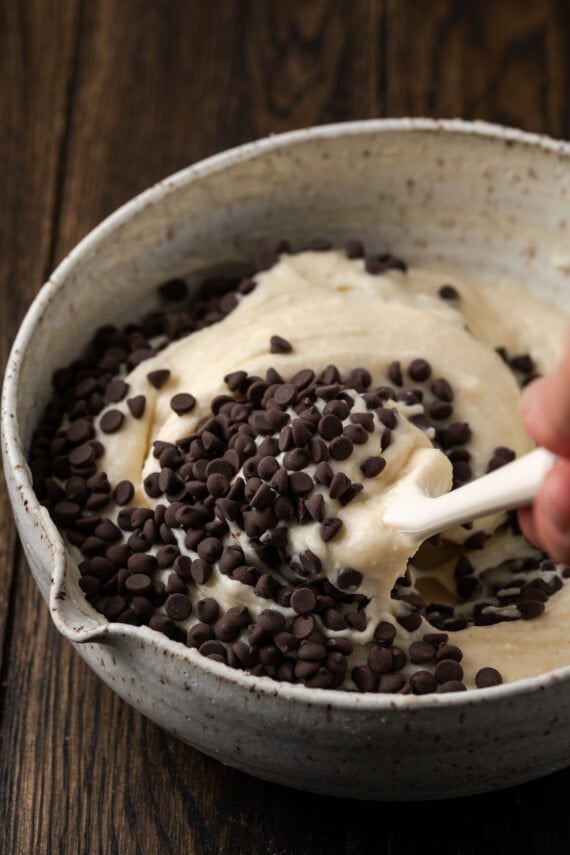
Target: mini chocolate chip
(449, 651)
(311, 651)
(286, 642)
(354, 249)
(123, 493)
(78, 432)
(486, 677)
(385, 632)
(111, 421)
(277, 344)
(338, 485)
(300, 483)
(448, 669)
(442, 389)
(210, 549)
(448, 292)
(423, 683)
(357, 620)
(348, 579)
(324, 473)
(387, 416)
(372, 466)
(178, 606)
(200, 571)
(182, 403)
(137, 406)
(303, 601)
(329, 427)
(395, 373)
(296, 459)
(302, 433)
(315, 505)
(530, 609)
(410, 622)
(235, 379)
(379, 660)
(285, 394)
(356, 434)
(451, 686)
(419, 370)
(364, 679)
(390, 683)
(158, 378)
(340, 448)
(138, 583)
(329, 528)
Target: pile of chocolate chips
(306, 418)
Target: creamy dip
(332, 311)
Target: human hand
(546, 417)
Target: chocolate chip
(285, 394)
(340, 448)
(329, 528)
(235, 379)
(379, 660)
(423, 683)
(410, 622)
(448, 669)
(390, 683)
(178, 606)
(449, 651)
(300, 483)
(182, 403)
(448, 292)
(296, 459)
(301, 433)
(372, 466)
(324, 473)
(452, 686)
(385, 632)
(421, 652)
(354, 249)
(419, 370)
(530, 609)
(111, 421)
(210, 549)
(339, 484)
(348, 579)
(486, 677)
(137, 406)
(158, 378)
(303, 601)
(357, 620)
(315, 505)
(329, 427)
(277, 344)
(364, 679)
(395, 373)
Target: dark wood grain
(37, 54)
(506, 62)
(99, 100)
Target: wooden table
(98, 100)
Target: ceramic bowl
(468, 197)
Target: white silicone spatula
(511, 486)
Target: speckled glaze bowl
(474, 198)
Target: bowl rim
(15, 461)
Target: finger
(551, 513)
(546, 408)
(528, 527)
